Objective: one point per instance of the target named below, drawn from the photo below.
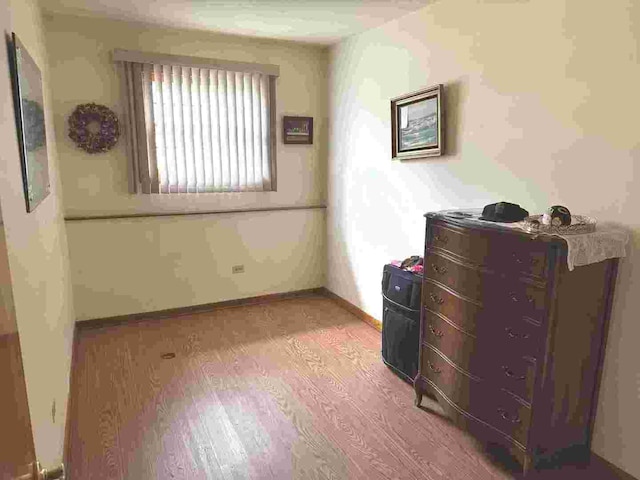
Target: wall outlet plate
(237, 269)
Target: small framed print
(297, 130)
(416, 124)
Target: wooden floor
(287, 389)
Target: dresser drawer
(485, 357)
(458, 387)
(504, 252)
(507, 414)
(459, 242)
(460, 312)
(464, 279)
(521, 299)
(520, 254)
(516, 335)
(514, 373)
(460, 347)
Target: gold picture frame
(416, 124)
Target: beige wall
(541, 109)
(196, 266)
(37, 250)
(166, 262)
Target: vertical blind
(195, 129)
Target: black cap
(503, 212)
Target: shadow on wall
(455, 94)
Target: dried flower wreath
(94, 128)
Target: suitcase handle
(398, 305)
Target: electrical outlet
(237, 269)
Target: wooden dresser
(512, 342)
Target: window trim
(194, 62)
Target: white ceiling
(316, 21)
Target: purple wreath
(94, 128)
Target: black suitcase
(401, 320)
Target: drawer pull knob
(441, 238)
(505, 415)
(515, 299)
(438, 269)
(436, 299)
(436, 332)
(511, 334)
(433, 368)
(511, 374)
(519, 261)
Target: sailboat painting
(419, 124)
(416, 124)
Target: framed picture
(30, 123)
(297, 130)
(416, 124)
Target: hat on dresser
(503, 212)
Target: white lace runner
(606, 242)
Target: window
(199, 125)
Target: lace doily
(606, 242)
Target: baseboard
(361, 314)
(194, 309)
(616, 471)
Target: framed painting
(30, 123)
(297, 130)
(416, 124)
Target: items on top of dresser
(557, 216)
(503, 212)
(577, 224)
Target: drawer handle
(511, 374)
(515, 299)
(441, 238)
(433, 368)
(436, 299)
(519, 261)
(438, 269)
(436, 332)
(510, 333)
(505, 415)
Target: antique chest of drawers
(511, 341)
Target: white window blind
(195, 129)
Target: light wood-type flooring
(286, 389)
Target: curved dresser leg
(416, 387)
(529, 464)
